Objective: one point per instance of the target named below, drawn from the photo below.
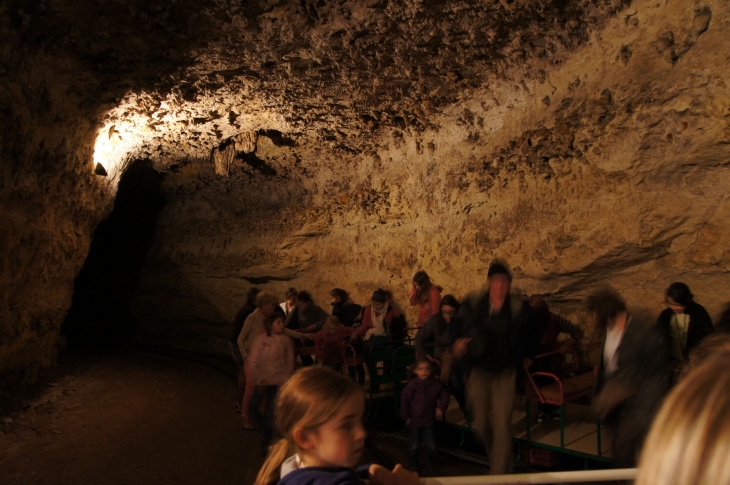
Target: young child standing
(328, 343)
(273, 361)
(422, 402)
(319, 414)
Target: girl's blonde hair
(689, 441)
(310, 398)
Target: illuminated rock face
(323, 144)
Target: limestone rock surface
(351, 143)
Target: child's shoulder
(315, 475)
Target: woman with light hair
(689, 441)
(266, 304)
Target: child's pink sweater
(272, 359)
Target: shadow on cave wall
(105, 285)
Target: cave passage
(99, 311)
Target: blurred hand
(459, 348)
(399, 476)
(439, 414)
(404, 476)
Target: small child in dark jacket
(423, 401)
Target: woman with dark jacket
(343, 308)
(436, 331)
(683, 325)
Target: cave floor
(131, 417)
(134, 417)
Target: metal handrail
(537, 478)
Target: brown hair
(310, 398)
(423, 286)
(269, 322)
(266, 298)
(689, 441)
(251, 295)
(606, 303)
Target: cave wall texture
(352, 143)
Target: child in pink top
(273, 361)
(273, 356)
(328, 343)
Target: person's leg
(456, 386)
(413, 435)
(254, 408)
(477, 395)
(429, 446)
(247, 395)
(503, 388)
(271, 395)
(241, 385)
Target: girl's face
(278, 326)
(448, 313)
(341, 440)
(423, 370)
(267, 309)
(676, 307)
(378, 307)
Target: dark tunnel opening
(99, 312)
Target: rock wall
(63, 65)
(50, 202)
(321, 144)
(609, 169)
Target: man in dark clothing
(683, 326)
(306, 318)
(495, 334)
(246, 310)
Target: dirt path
(131, 418)
(134, 417)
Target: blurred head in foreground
(689, 441)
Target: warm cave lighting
(114, 145)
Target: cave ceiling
(171, 80)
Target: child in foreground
(423, 401)
(319, 415)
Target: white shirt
(610, 346)
(284, 306)
(292, 463)
(378, 325)
(678, 327)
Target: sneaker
(542, 417)
(555, 415)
